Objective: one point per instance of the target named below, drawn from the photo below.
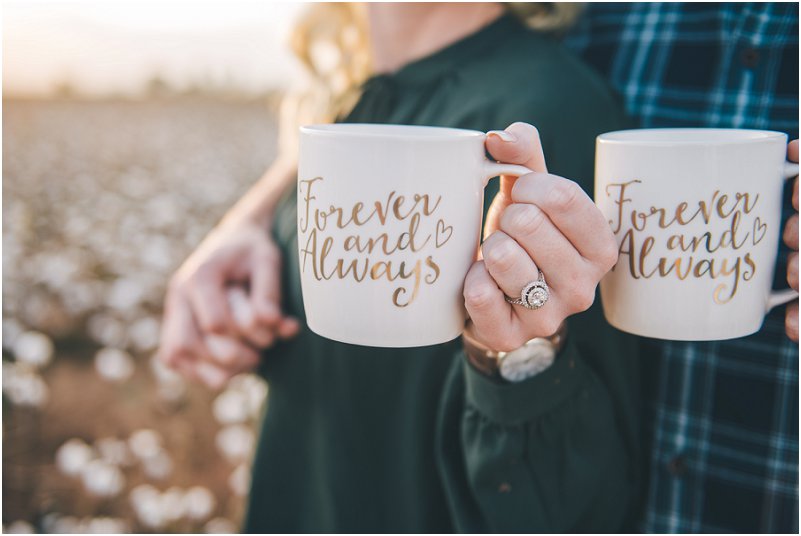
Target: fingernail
(220, 347)
(271, 309)
(240, 307)
(289, 328)
(211, 376)
(503, 135)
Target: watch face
(527, 361)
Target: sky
(107, 47)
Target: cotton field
(101, 201)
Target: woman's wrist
(257, 206)
(242, 217)
(528, 360)
(477, 354)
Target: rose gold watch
(520, 364)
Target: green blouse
(360, 439)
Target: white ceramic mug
(389, 220)
(697, 216)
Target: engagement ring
(533, 296)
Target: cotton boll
(25, 387)
(254, 388)
(10, 373)
(173, 503)
(114, 365)
(230, 407)
(11, 330)
(67, 525)
(144, 334)
(43, 310)
(198, 503)
(162, 372)
(158, 467)
(106, 525)
(20, 527)
(149, 511)
(36, 392)
(220, 525)
(72, 456)
(157, 253)
(235, 442)
(80, 297)
(171, 386)
(142, 492)
(33, 348)
(114, 451)
(107, 330)
(55, 523)
(257, 393)
(145, 443)
(239, 481)
(125, 294)
(102, 479)
(56, 270)
(80, 528)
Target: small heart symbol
(444, 233)
(759, 231)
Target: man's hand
(223, 304)
(791, 239)
(536, 222)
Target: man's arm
(201, 336)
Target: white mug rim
(399, 132)
(673, 137)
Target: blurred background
(129, 127)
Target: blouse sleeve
(556, 453)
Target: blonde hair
(331, 41)
(551, 17)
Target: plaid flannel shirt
(723, 415)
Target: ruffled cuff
(515, 403)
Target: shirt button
(749, 57)
(677, 466)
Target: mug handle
(780, 297)
(790, 170)
(493, 169)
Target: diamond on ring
(534, 295)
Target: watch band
(486, 360)
(480, 356)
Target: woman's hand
(211, 327)
(536, 222)
(791, 239)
